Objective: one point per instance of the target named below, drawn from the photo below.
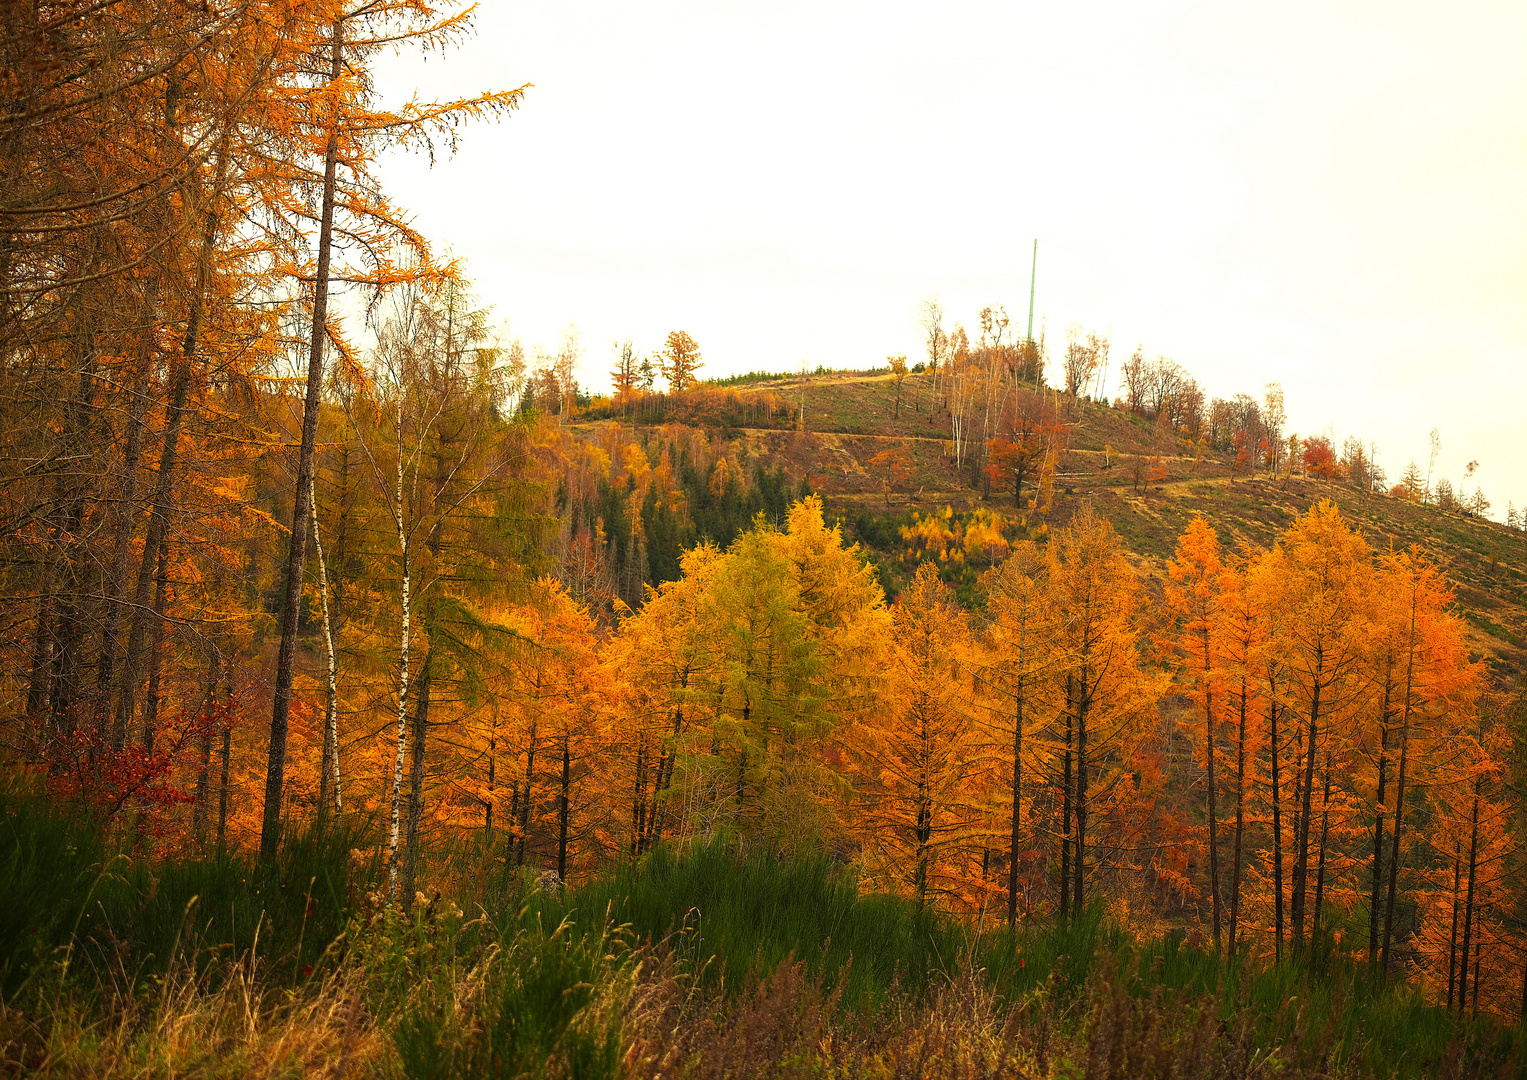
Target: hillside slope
(880, 473)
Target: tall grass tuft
(68, 899)
(729, 912)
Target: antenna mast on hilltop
(1029, 343)
(1033, 266)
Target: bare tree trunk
(395, 808)
(1277, 817)
(1468, 906)
(1079, 863)
(116, 577)
(1399, 792)
(1479, 948)
(204, 774)
(922, 831)
(174, 415)
(1240, 821)
(156, 651)
(69, 581)
(1306, 815)
(158, 525)
(564, 807)
(1521, 1012)
(530, 762)
(1452, 940)
(1325, 834)
(275, 768)
(487, 817)
(514, 819)
(1017, 819)
(1065, 813)
(222, 798)
(328, 781)
(639, 799)
(1213, 808)
(1378, 820)
(665, 765)
(41, 682)
(416, 777)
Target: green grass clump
(732, 913)
(71, 899)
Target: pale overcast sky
(1333, 195)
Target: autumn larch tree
(1019, 664)
(1316, 583)
(1193, 596)
(917, 755)
(1094, 593)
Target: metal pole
(1032, 268)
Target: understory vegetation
(720, 960)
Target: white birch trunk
(397, 766)
(331, 705)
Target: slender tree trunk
(156, 651)
(1378, 820)
(921, 831)
(665, 765)
(1521, 1013)
(1079, 863)
(1468, 905)
(416, 777)
(487, 815)
(1479, 948)
(1399, 787)
(530, 766)
(395, 807)
(1306, 816)
(40, 684)
(1017, 822)
(68, 631)
(121, 557)
(204, 774)
(639, 800)
(1452, 940)
(1240, 821)
(1277, 818)
(328, 773)
(275, 768)
(1214, 906)
(222, 798)
(564, 807)
(1065, 813)
(1325, 834)
(514, 820)
(153, 541)
(174, 415)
